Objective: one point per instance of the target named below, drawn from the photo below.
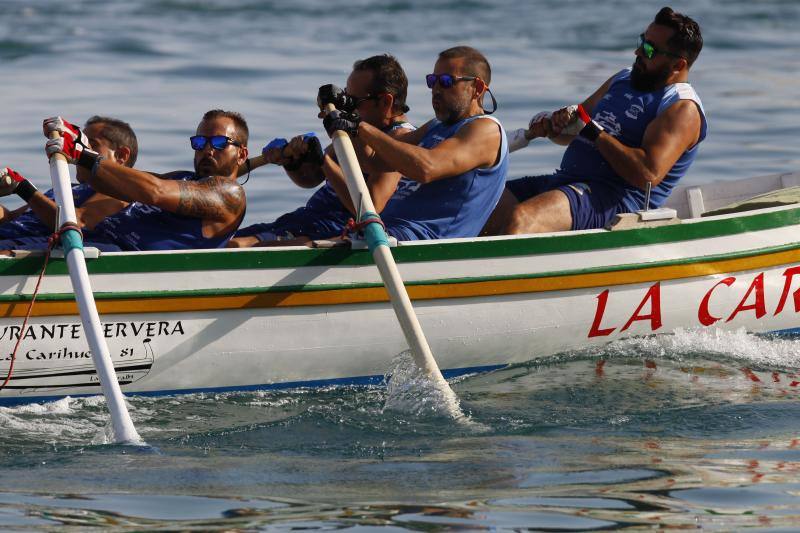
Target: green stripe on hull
(433, 251)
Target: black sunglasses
(218, 142)
(355, 101)
(650, 50)
(446, 80)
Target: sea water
(691, 430)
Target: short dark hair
(242, 131)
(117, 133)
(686, 41)
(476, 63)
(387, 77)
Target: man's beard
(451, 114)
(647, 82)
(208, 168)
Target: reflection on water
(688, 430)
(631, 435)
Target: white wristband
(516, 139)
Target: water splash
(739, 346)
(409, 390)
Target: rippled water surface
(689, 430)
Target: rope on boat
(355, 227)
(51, 243)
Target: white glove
(538, 117)
(574, 124)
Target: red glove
(12, 181)
(72, 140)
(9, 175)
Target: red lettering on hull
(757, 288)
(654, 297)
(788, 274)
(596, 330)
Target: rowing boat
(215, 320)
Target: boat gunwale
(421, 251)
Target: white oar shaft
(401, 303)
(124, 431)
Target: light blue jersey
(625, 113)
(451, 207)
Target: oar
(378, 244)
(71, 241)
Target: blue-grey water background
(669, 432)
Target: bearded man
(640, 130)
(173, 211)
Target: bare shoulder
(682, 117)
(213, 197)
(230, 190)
(679, 125)
(482, 129)
(683, 110)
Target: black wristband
(96, 164)
(25, 190)
(591, 131)
(87, 159)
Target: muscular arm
(475, 145)
(44, 208)
(665, 139)
(96, 208)
(216, 200)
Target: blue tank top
(147, 227)
(28, 224)
(451, 207)
(625, 113)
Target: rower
(641, 127)
(453, 167)
(177, 210)
(376, 90)
(29, 227)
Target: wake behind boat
(187, 321)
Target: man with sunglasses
(640, 130)
(30, 226)
(376, 89)
(178, 210)
(453, 167)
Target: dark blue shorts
(592, 204)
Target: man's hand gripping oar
(340, 125)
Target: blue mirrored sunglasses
(218, 142)
(446, 80)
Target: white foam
(409, 390)
(58, 407)
(739, 345)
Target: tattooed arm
(210, 199)
(218, 201)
